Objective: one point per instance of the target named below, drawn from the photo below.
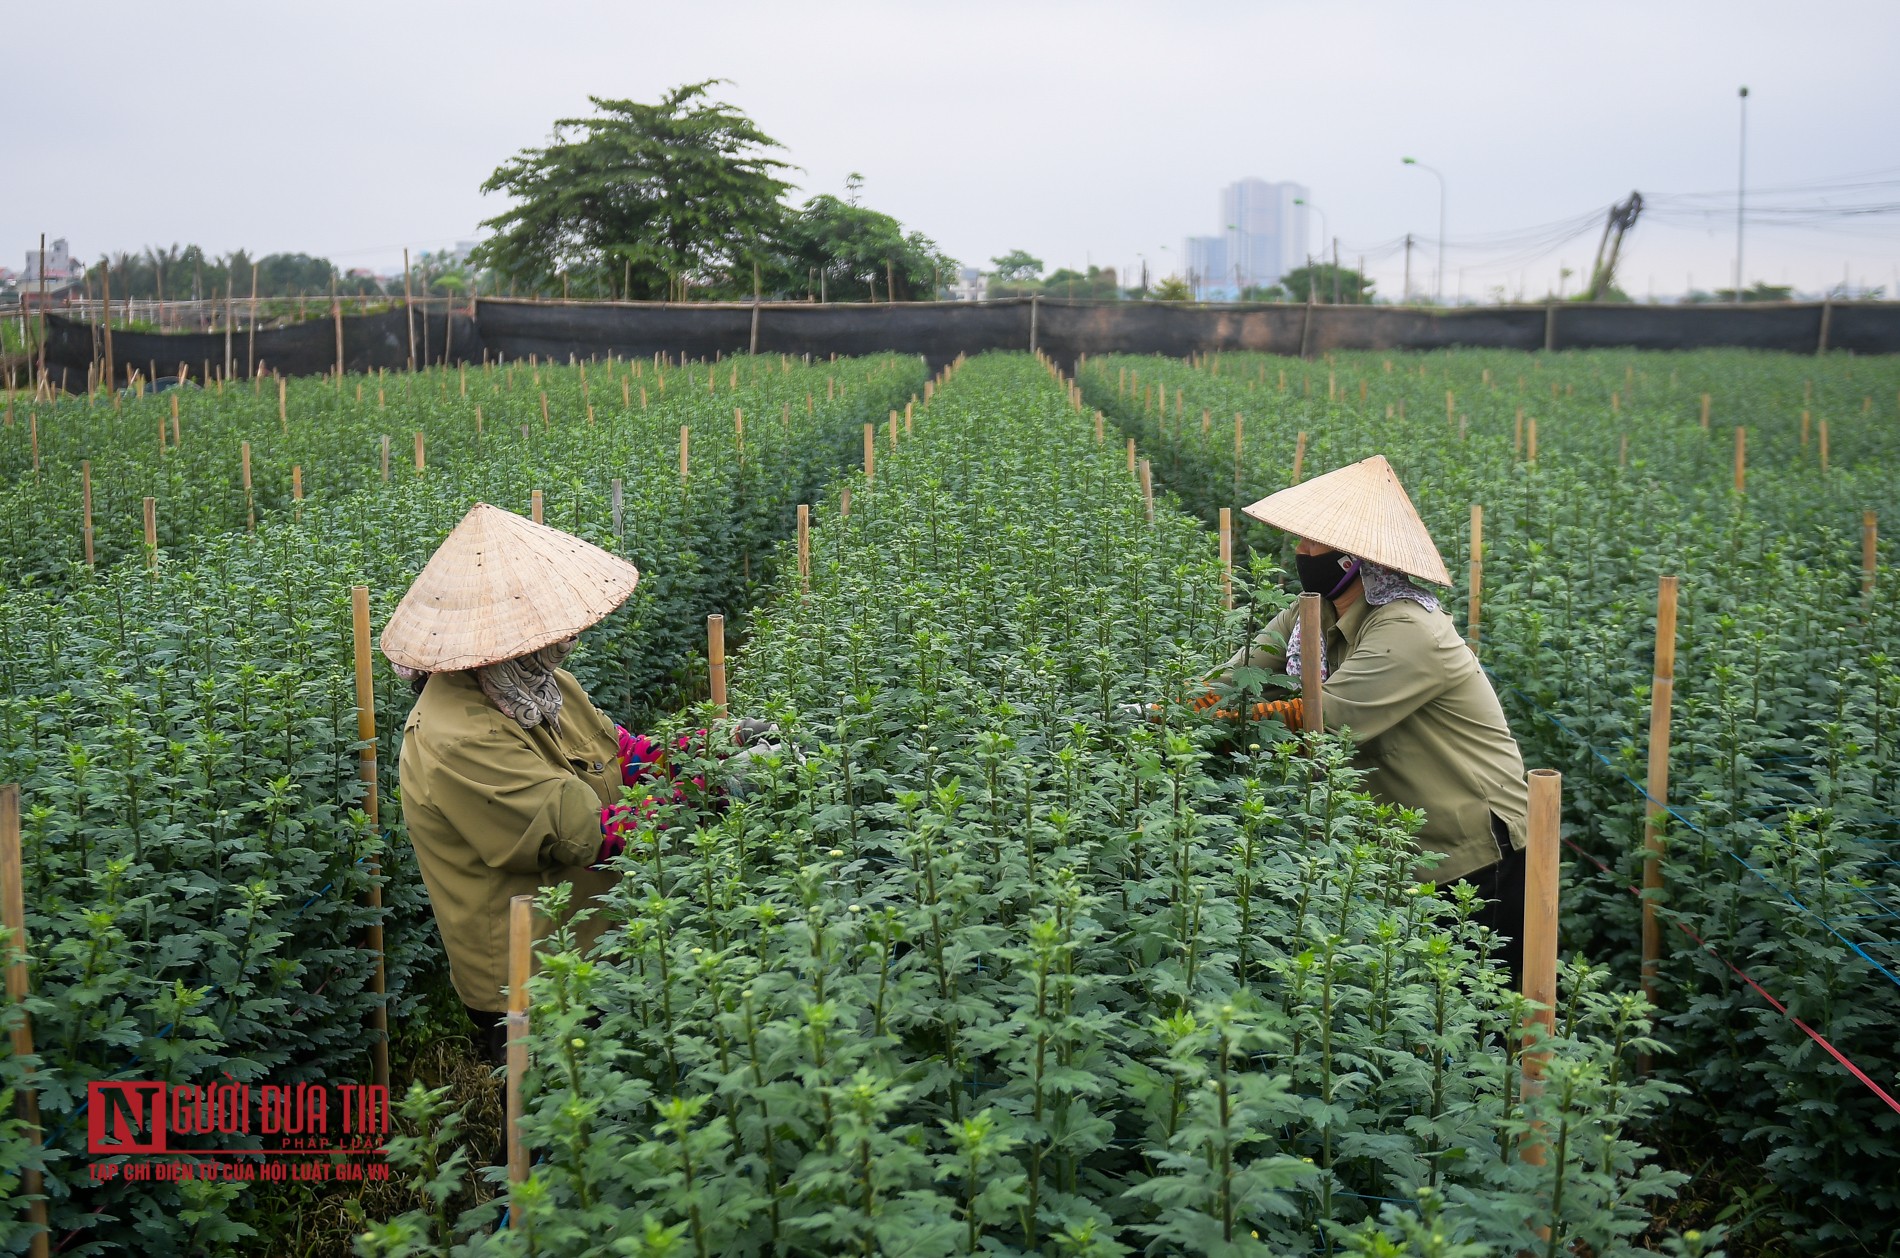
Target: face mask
(1321, 574)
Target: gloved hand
(1290, 711)
(641, 758)
(616, 821)
(1140, 711)
(756, 738)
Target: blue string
(1678, 815)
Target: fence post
(1035, 302)
(366, 767)
(1661, 695)
(1473, 609)
(1540, 933)
(520, 965)
(13, 917)
(1312, 651)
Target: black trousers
(1502, 886)
(491, 1035)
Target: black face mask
(1321, 574)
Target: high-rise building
(1263, 236)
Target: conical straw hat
(1360, 509)
(500, 586)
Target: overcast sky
(1079, 131)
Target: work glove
(616, 822)
(756, 739)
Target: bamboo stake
(716, 661)
(1623, 450)
(1148, 489)
(1540, 933)
(1299, 457)
(1869, 552)
(544, 410)
(534, 506)
(844, 503)
(296, 491)
(1741, 458)
(893, 428)
(1099, 435)
(13, 917)
(85, 494)
(685, 446)
(1530, 434)
(870, 453)
(520, 966)
(1473, 623)
(617, 493)
(151, 534)
(250, 504)
(804, 548)
(1805, 423)
(283, 410)
(1227, 557)
(1824, 446)
(1705, 412)
(385, 457)
(366, 766)
(1661, 694)
(1312, 646)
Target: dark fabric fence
(939, 331)
(305, 349)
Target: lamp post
(1741, 188)
(1312, 277)
(1438, 275)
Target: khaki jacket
(1427, 725)
(496, 811)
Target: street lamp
(1438, 276)
(1322, 215)
(1741, 187)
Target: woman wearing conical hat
(1427, 725)
(511, 777)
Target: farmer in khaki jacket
(511, 777)
(1426, 723)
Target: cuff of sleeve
(576, 838)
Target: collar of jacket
(1352, 621)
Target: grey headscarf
(1382, 586)
(524, 688)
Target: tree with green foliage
(639, 200)
(846, 252)
(1174, 288)
(1016, 266)
(1328, 283)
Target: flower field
(1598, 474)
(196, 857)
(997, 970)
(994, 967)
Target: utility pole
(1408, 267)
(1741, 188)
(1335, 270)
